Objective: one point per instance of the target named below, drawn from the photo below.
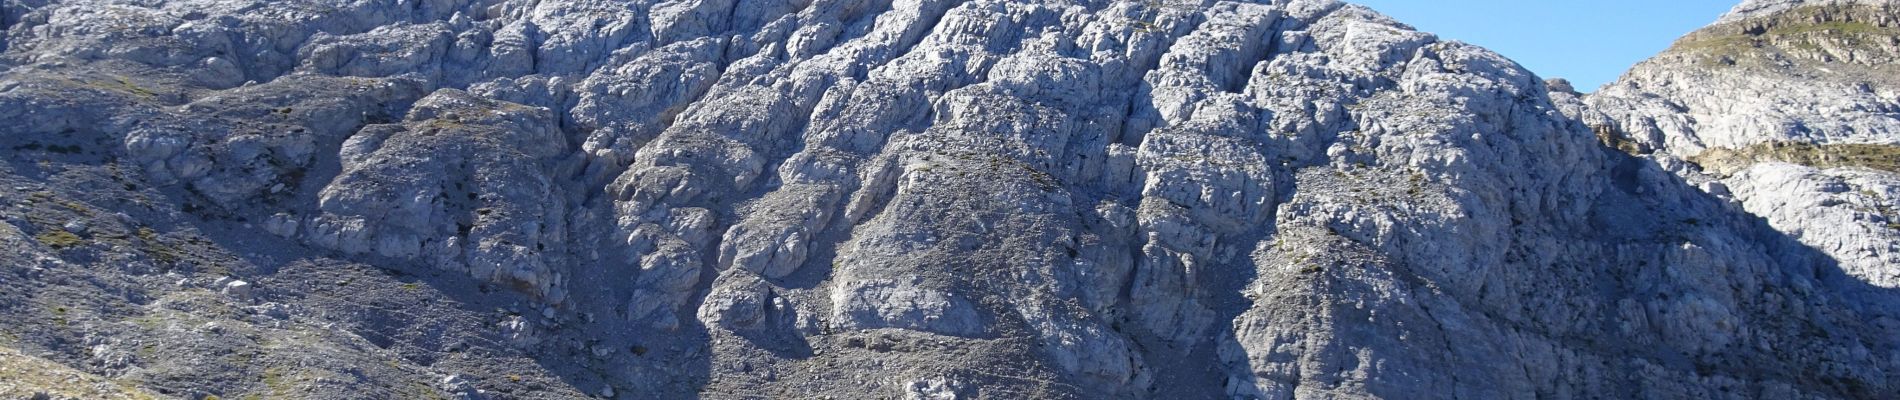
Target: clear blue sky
(1589, 42)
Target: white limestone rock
(1851, 214)
(1773, 83)
(1015, 199)
(482, 203)
(238, 289)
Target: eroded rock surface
(933, 199)
(1789, 108)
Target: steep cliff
(932, 199)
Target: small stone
(607, 392)
(273, 310)
(238, 289)
(519, 331)
(76, 226)
(455, 384)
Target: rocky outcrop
(1044, 199)
(1787, 107)
(464, 183)
(1771, 71)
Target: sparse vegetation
(60, 314)
(1873, 156)
(1804, 32)
(116, 84)
(77, 207)
(157, 249)
(59, 239)
(274, 383)
(1830, 28)
(26, 375)
(418, 390)
(1615, 139)
(1890, 218)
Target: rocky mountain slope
(1790, 108)
(932, 199)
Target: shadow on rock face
(1680, 290)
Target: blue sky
(1589, 42)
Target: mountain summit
(933, 199)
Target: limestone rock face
(464, 183)
(962, 199)
(1769, 71)
(1765, 8)
(1848, 213)
(1790, 109)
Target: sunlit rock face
(1791, 109)
(948, 199)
